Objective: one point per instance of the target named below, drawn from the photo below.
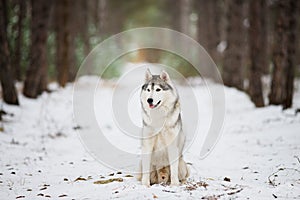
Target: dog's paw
(138, 177)
(146, 182)
(175, 182)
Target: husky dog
(163, 139)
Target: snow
(43, 156)
(222, 46)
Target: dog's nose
(150, 100)
(163, 177)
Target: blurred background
(249, 40)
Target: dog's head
(157, 90)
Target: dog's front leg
(173, 152)
(147, 148)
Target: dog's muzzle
(151, 105)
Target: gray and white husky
(163, 139)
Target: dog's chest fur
(162, 134)
(157, 119)
(160, 152)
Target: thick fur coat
(163, 139)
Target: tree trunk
(19, 39)
(7, 82)
(85, 26)
(36, 75)
(102, 12)
(172, 8)
(293, 9)
(116, 15)
(264, 45)
(184, 16)
(284, 54)
(257, 52)
(202, 32)
(63, 41)
(72, 57)
(232, 66)
(208, 26)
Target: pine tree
(232, 66)
(6, 77)
(284, 53)
(257, 52)
(36, 75)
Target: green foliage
(51, 56)
(163, 57)
(118, 16)
(145, 13)
(180, 64)
(113, 70)
(26, 46)
(131, 13)
(94, 37)
(79, 51)
(12, 33)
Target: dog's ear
(148, 75)
(164, 76)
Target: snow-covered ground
(42, 155)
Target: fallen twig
(215, 197)
(108, 181)
(271, 182)
(169, 191)
(235, 192)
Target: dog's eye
(148, 90)
(158, 89)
